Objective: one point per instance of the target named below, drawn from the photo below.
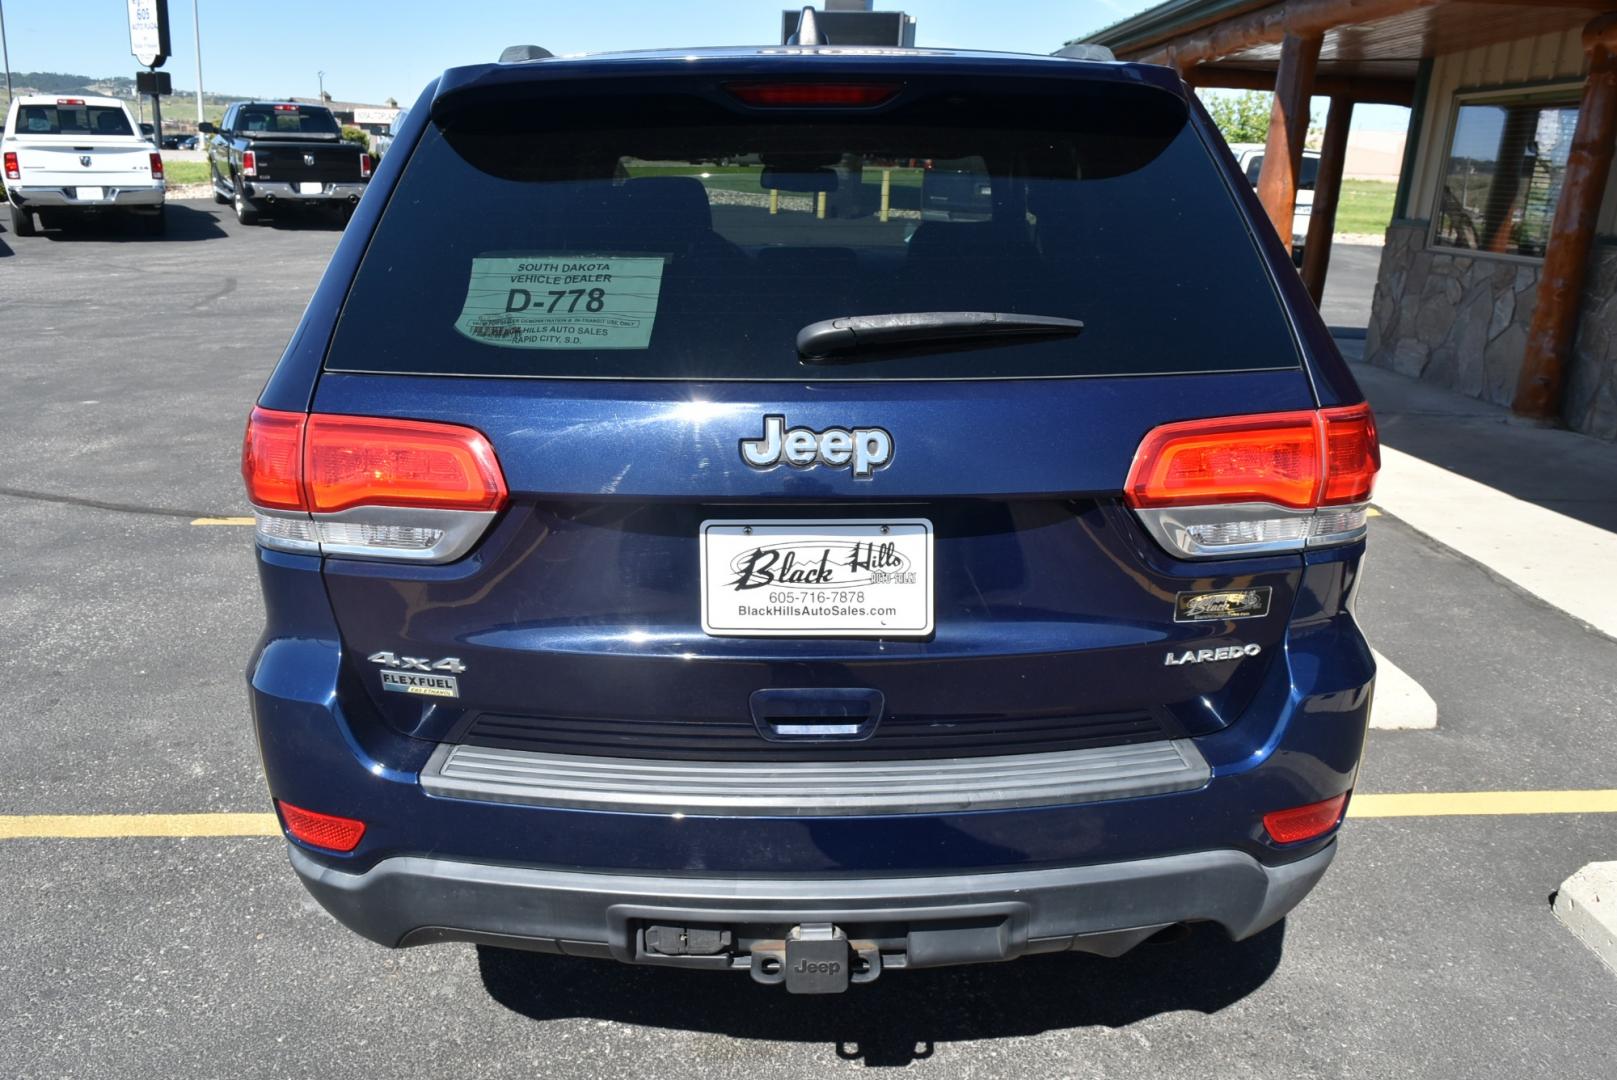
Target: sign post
(149, 44)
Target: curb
(1587, 905)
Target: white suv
(78, 155)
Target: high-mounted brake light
(321, 830)
(69, 101)
(1305, 822)
(286, 108)
(369, 487)
(364, 166)
(13, 170)
(812, 94)
(249, 163)
(157, 166)
(1267, 482)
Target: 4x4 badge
(864, 449)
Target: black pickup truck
(265, 155)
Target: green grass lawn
(185, 172)
(1365, 206)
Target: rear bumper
(112, 198)
(279, 190)
(919, 921)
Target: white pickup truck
(1250, 158)
(71, 156)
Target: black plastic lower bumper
(908, 921)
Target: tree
(1242, 117)
(356, 135)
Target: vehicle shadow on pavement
(902, 1016)
(184, 223)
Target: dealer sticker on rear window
(562, 301)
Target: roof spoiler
(517, 54)
(1080, 51)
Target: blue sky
(371, 50)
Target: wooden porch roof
(1379, 42)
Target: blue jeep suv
(809, 511)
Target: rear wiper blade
(862, 337)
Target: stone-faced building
(1499, 276)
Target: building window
(1503, 176)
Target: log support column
(1566, 257)
(1288, 127)
(1327, 196)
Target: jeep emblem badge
(863, 449)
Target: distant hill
(57, 82)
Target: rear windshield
(72, 120)
(659, 240)
(285, 120)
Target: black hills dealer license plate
(863, 578)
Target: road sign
(148, 31)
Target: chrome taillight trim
(330, 534)
(1176, 527)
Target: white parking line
(1562, 561)
(1401, 703)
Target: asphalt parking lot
(1429, 951)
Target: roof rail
(516, 54)
(1078, 51)
(808, 30)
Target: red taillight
(249, 163)
(809, 94)
(321, 830)
(13, 170)
(157, 166)
(325, 463)
(357, 461)
(364, 166)
(1299, 460)
(1352, 454)
(1305, 822)
(272, 459)
(1270, 458)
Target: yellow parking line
(1457, 803)
(1421, 804)
(1369, 512)
(97, 826)
(222, 521)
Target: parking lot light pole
(196, 34)
(5, 49)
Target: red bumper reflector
(1305, 822)
(321, 830)
(811, 95)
